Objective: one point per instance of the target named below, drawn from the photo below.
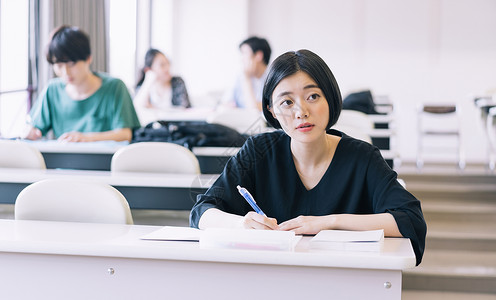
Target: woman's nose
(301, 111)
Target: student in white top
(157, 88)
(247, 90)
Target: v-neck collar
(326, 173)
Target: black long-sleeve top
(358, 181)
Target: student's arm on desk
(214, 217)
(314, 224)
(121, 134)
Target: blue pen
(249, 198)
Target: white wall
(413, 51)
(205, 44)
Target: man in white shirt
(247, 90)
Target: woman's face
(161, 67)
(300, 107)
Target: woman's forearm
(384, 221)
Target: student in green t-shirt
(81, 105)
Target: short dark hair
(258, 44)
(68, 44)
(306, 61)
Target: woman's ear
(271, 111)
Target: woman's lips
(304, 127)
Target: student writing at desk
(81, 105)
(308, 177)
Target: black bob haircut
(68, 44)
(306, 61)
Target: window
(14, 58)
(122, 40)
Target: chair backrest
(355, 132)
(17, 154)
(68, 200)
(243, 120)
(155, 157)
(353, 118)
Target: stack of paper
(370, 240)
(215, 238)
(173, 233)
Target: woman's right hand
(253, 220)
(150, 78)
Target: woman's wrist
(333, 221)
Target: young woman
(308, 177)
(81, 105)
(157, 88)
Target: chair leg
(461, 154)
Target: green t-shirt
(109, 108)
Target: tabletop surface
(114, 240)
(19, 175)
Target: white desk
(98, 155)
(103, 261)
(142, 190)
(148, 115)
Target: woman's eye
(286, 102)
(314, 97)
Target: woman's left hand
(307, 224)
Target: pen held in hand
(249, 198)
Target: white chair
(67, 200)
(355, 124)
(155, 157)
(355, 132)
(354, 118)
(491, 133)
(17, 154)
(436, 125)
(247, 121)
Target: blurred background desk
(109, 261)
(142, 190)
(97, 156)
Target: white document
(370, 240)
(174, 233)
(222, 238)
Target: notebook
(224, 238)
(227, 238)
(174, 233)
(346, 240)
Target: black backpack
(360, 101)
(189, 134)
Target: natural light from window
(14, 17)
